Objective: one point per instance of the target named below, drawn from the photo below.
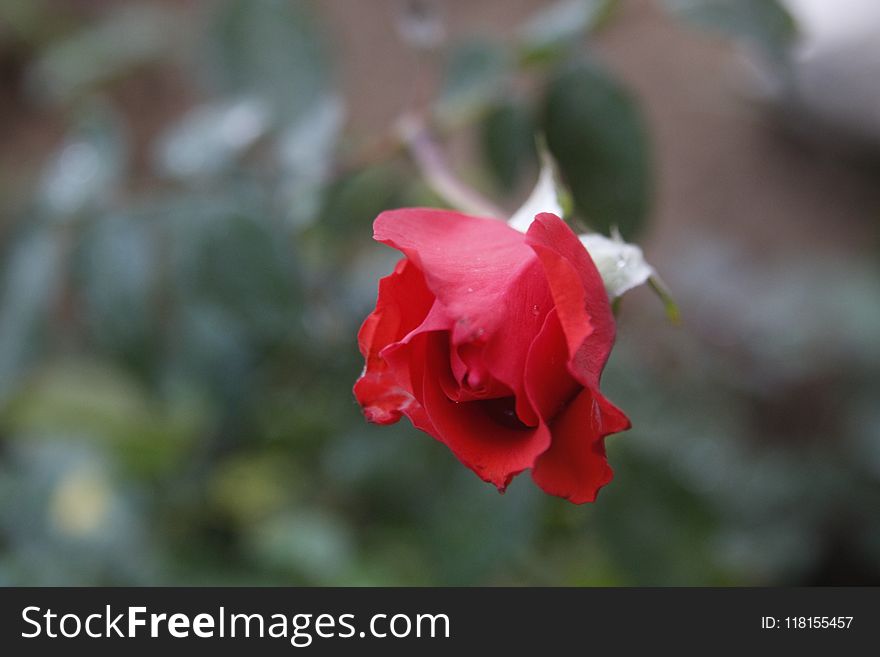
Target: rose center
(503, 411)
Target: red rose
(493, 342)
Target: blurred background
(187, 191)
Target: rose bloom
(493, 342)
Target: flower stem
(433, 166)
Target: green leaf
(354, 201)
(307, 144)
(88, 168)
(209, 138)
(596, 132)
(95, 402)
(234, 287)
(670, 546)
(475, 75)
(233, 257)
(553, 30)
(267, 48)
(32, 278)
(118, 274)
(764, 23)
(305, 151)
(74, 521)
(128, 37)
(314, 544)
(250, 487)
(506, 525)
(507, 136)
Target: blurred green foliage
(765, 24)
(596, 132)
(177, 344)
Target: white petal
(542, 199)
(621, 265)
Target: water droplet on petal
(536, 310)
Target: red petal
(468, 262)
(549, 384)
(403, 302)
(575, 466)
(484, 302)
(579, 295)
(581, 333)
(492, 289)
(496, 450)
(407, 361)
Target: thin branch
(433, 166)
